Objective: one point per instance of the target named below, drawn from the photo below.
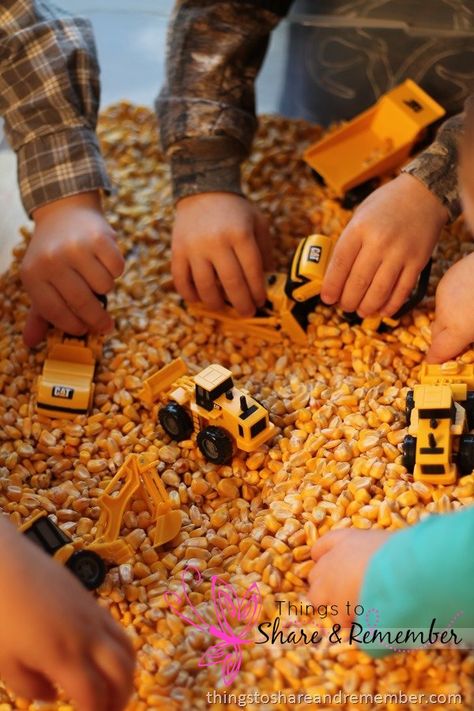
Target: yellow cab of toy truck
(220, 403)
(65, 387)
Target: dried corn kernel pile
(335, 462)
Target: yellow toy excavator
(292, 297)
(136, 475)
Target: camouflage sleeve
(206, 109)
(436, 166)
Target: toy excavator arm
(113, 507)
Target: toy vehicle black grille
(258, 427)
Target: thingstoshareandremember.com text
(279, 697)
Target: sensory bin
(335, 462)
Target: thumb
(264, 240)
(326, 543)
(35, 329)
(445, 345)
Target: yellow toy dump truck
(292, 297)
(376, 141)
(137, 475)
(440, 414)
(66, 385)
(208, 404)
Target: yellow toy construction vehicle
(292, 297)
(440, 414)
(376, 141)
(210, 405)
(66, 385)
(137, 474)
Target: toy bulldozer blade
(376, 141)
(161, 380)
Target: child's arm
(49, 97)
(412, 576)
(207, 121)
(381, 252)
(53, 632)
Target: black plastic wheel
(466, 454)
(176, 421)
(469, 405)
(409, 405)
(89, 567)
(409, 453)
(215, 444)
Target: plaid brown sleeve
(206, 108)
(49, 97)
(437, 165)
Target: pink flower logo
(235, 618)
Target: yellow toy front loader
(209, 405)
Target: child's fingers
(52, 307)
(401, 292)
(108, 253)
(251, 263)
(182, 278)
(35, 329)
(234, 282)
(117, 666)
(445, 345)
(95, 274)
(82, 301)
(27, 683)
(379, 290)
(326, 543)
(264, 241)
(359, 280)
(83, 683)
(340, 265)
(206, 284)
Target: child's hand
(53, 632)
(72, 254)
(379, 255)
(341, 561)
(220, 247)
(453, 328)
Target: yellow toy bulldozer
(208, 404)
(292, 297)
(136, 475)
(440, 415)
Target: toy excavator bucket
(160, 381)
(376, 141)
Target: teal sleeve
(423, 573)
